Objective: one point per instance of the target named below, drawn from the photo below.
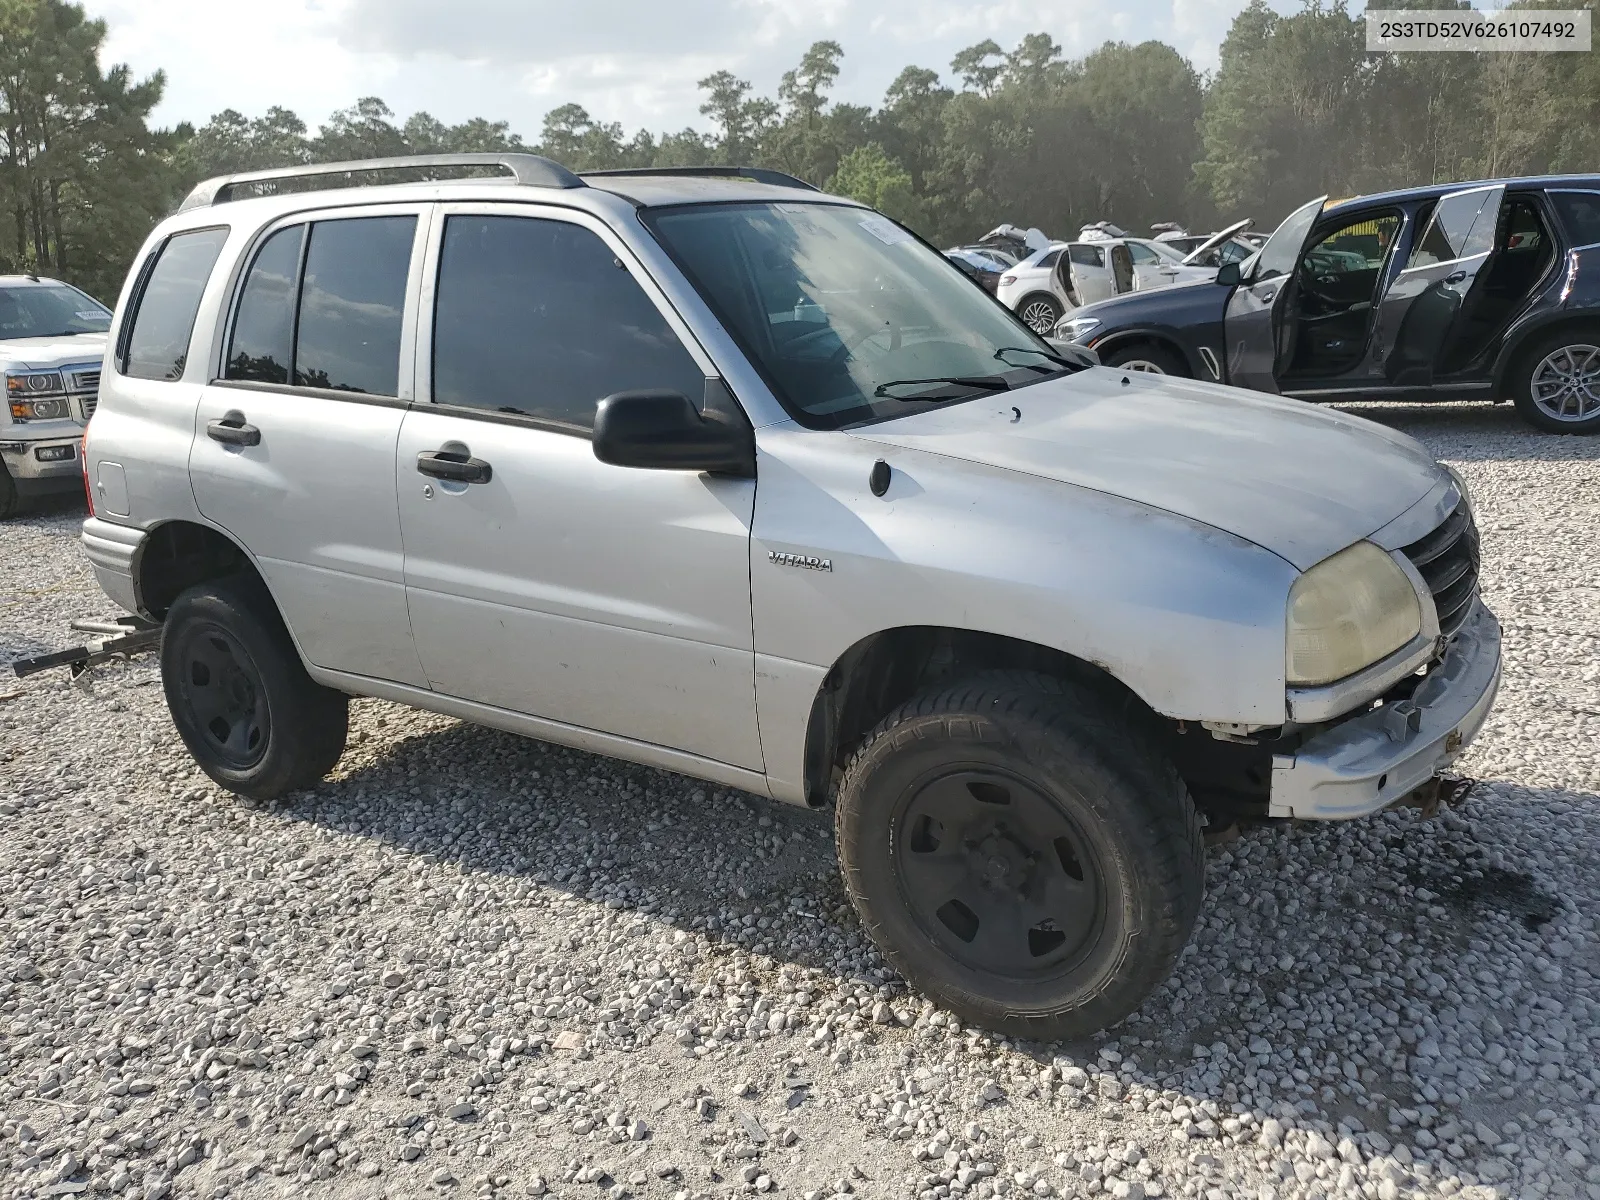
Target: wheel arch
(886, 668)
(1523, 340)
(1155, 337)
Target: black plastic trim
(289, 389)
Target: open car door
(1260, 321)
(1430, 298)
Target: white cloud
(631, 61)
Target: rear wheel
(1557, 383)
(1032, 865)
(1040, 312)
(1147, 357)
(240, 698)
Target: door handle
(232, 430)
(1455, 277)
(1269, 294)
(441, 464)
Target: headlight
(1076, 329)
(40, 410)
(32, 381)
(1346, 613)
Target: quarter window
(264, 327)
(1580, 213)
(351, 304)
(156, 345)
(540, 318)
(1143, 256)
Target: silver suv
(710, 471)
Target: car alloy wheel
(997, 875)
(1566, 383)
(223, 690)
(1040, 316)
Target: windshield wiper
(987, 383)
(1066, 363)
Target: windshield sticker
(885, 230)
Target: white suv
(716, 473)
(52, 338)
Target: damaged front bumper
(1380, 756)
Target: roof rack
(528, 169)
(754, 174)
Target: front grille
(88, 404)
(1447, 559)
(84, 381)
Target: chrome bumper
(113, 550)
(1368, 762)
(23, 464)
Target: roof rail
(528, 169)
(754, 174)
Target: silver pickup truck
(52, 338)
(707, 470)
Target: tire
(1147, 357)
(1040, 311)
(1121, 884)
(240, 698)
(9, 503)
(1556, 382)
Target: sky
(633, 61)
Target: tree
(976, 72)
(364, 130)
(869, 175)
(82, 176)
(741, 122)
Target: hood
(42, 353)
(1301, 481)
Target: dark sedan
(1459, 291)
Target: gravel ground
(476, 965)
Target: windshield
(848, 316)
(49, 310)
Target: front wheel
(240, 698)
(1557, 384)
(1031, 864)
(1146, 357)
(1040, 313)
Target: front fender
(1188, 617)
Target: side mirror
(663, 431)
(1228, 274)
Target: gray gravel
(475, 965)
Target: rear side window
(351, 304)
(156, 344)
(1460, 227)
(263, 329)
(327, 314)
(540, 318)
(1049, 260)
(1580, 213)
(1088, 256)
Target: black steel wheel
(222, 688)
(240, 696)
(1021, 853)
(998, 874)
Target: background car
(52, 338)
(1484, 291)
(1054, 282)
(983, 269)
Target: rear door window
(352, 302)
(1458, 228)
(540, 318)
(156, 344)
(1088, 256)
